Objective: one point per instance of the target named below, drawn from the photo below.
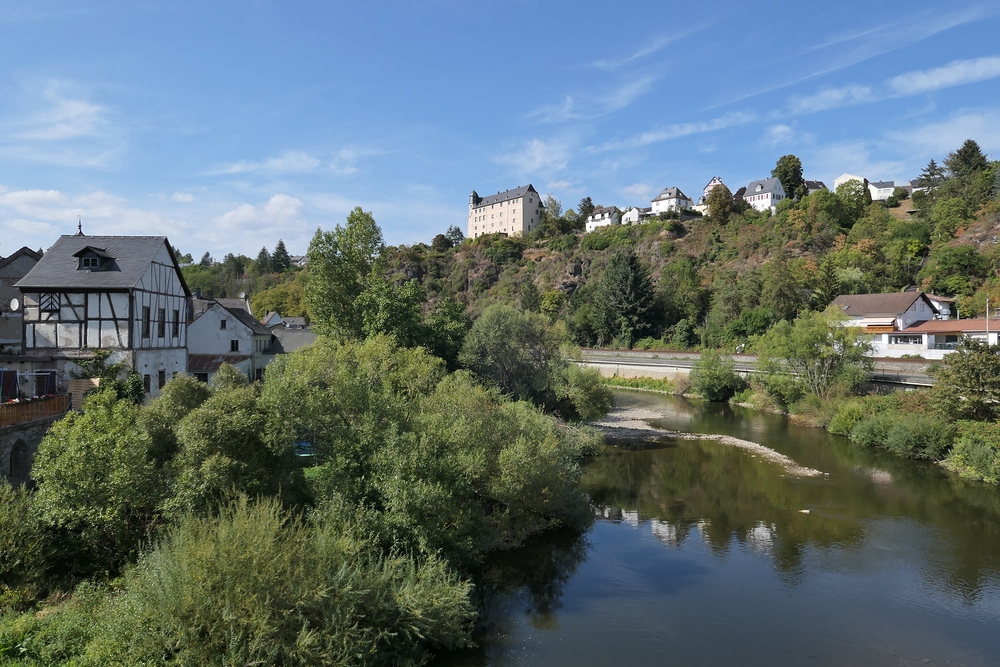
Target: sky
(229, 125)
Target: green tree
(714, 377)
(455, 235)
(966, 161)
(947, 215)
(856, 198)
(392, 310)
(206, 259)
(816, 351)
(967, 385)
(264, 262)
(585, 208)
(552, 303)
(340, 262)
(280, 261)
(441, 243)
(720, 204)
(445, 330)
(789, 171)
(531, 300)
(623, 299)
(827, 286)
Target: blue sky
(228, 125)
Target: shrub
(22, 540)
(872, 431)
(714, 377)
(847, 416)
(976, 453)
(920, 437)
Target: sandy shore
(629, 425)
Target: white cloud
(778, 135)
(279, 210)
(677, 130)
(591, 105)
(287, 162)
(939, 138)
(537, 156)
(653, 46)
(182, 197)
(640, 190)
(830, 98)
(954, 73)
(66, 116)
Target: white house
(764, 195)
(712, 184)
(671, 199)
(936, 338)
(222, 335)
(900, 322)
(843, 178)
(633, 215)
(603, 216)
(125, 294)
(881, 190)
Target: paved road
(892, 371)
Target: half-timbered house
(125, 294)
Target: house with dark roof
(891, 319)
(602, 216)
(764, 195)
(12, 269)
(671, 199)
(881, 190)
(513, 212)
(124, 294)
(814, 186)
(227, 334)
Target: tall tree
(585, 208)
(789, 171)
(206, 259)
(932, 175)
(966, 160)
(720, 204)
(340, 262)
(454, 235)
(531, 300)
(280, 261)
(264, 265)
(623, 299)
(856, 197)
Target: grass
(646, 384)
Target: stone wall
(18, 445)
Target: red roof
(954, 326)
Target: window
(90, 263)
(176, 325)
(145, 324)
(161, 323)
(201, 377)
(259, 374)
(146, 383)
(905, 340)
(49, 303)
(234, 345)
(161, 379)
(222, 324)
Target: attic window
(90, 263)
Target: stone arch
(20, 462)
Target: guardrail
(12, 414)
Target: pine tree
(966, 160)
(264, 264)
(206, 259)
(623, 300)
(531, 300)
(280, 261)
(828, 286)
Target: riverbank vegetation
(332, 513)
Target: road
(634, 363)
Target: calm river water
(702, 554)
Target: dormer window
(90, 263)
(94, 259)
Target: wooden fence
(12, 414)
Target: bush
(714, 377)
(847, 416)
(22, 540)
(920, 437)
(615, 236)
(872, 431)
(976, 453)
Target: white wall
(206, 335)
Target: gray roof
(767, 186)
(602, 210)
(246, 318)
(893, 303)
(671, 193)
(507, 195)
(58, 267)
(25, 251)
(812, 186)
(289, 340)
(881, 185)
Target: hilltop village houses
(126, 296)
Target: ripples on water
(700, 554)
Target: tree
(720, 204)
(948, 215)
(816, 351)
(714, 377)
(392, 310)
(585, 208)
(967, 385)
(441, 243)
(280, 261)
(966, 160)
(827, 287)
(339, 265)
(789, 171)
(531, 300)
(856, 197)
(552, 207)
(264, 265)
(206, 259)
(623, 299)
(455, 235)
(932, 176)
(445, 329)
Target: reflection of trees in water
(528, 581)
(734, 494)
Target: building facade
(764, 195)
(227, 335)
(512, 212)
(124, 294)
(671, 200)
(603, 216)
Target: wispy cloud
(66, 117)
(778, 135)
(287, 162)
(278, 210)
(830, 98)
(640, 190)
(539, 156)
(955, 73)
(590, 106)
(677, 130)
(653, 46)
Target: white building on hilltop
(512, 212)
(602, 217)
(764, 195)
(671, 199)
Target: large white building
(671, 199)
(603, 216)
(764, 195)
(513, 212)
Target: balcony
(22, 412)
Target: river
(701, 553)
